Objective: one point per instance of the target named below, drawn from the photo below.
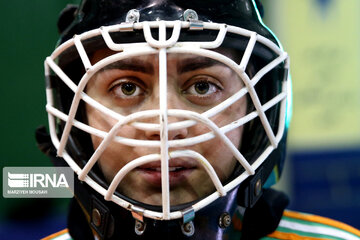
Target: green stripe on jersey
(314, 229)
(306, 234)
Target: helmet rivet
(258, 187)
(224, 220)
(133, 16)
(139, 227)
(190, 15)
(96, 217)
(188, 229)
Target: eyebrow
(186, 65)
(195, 63)
(136, 65)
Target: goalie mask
(166, 108)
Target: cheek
(215, 150)
(116, 155)
(97, 120)
(233, 113)
(100, 121)
(219, 154)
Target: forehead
(178, 62)
(103, 53)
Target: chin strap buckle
(138, 215)
(187, 226)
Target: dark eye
(201, 88)
(126, 89)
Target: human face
(195, 83)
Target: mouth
(171, 169)
(179, 172)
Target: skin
(195, 84)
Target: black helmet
(155, 29)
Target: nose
(172, 134)
(176, 134)
(174, 101)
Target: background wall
(322, 38)
(28, 34)
(323, 171)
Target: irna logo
(36, 180)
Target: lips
(171, 169)
(179, 170)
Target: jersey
(295, 225)
(301, 226)
(292, 226)
(61, 235)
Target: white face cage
(162, 47)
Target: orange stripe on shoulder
(56, 234)
(322, 220)
(237, 223)
(292, 236)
